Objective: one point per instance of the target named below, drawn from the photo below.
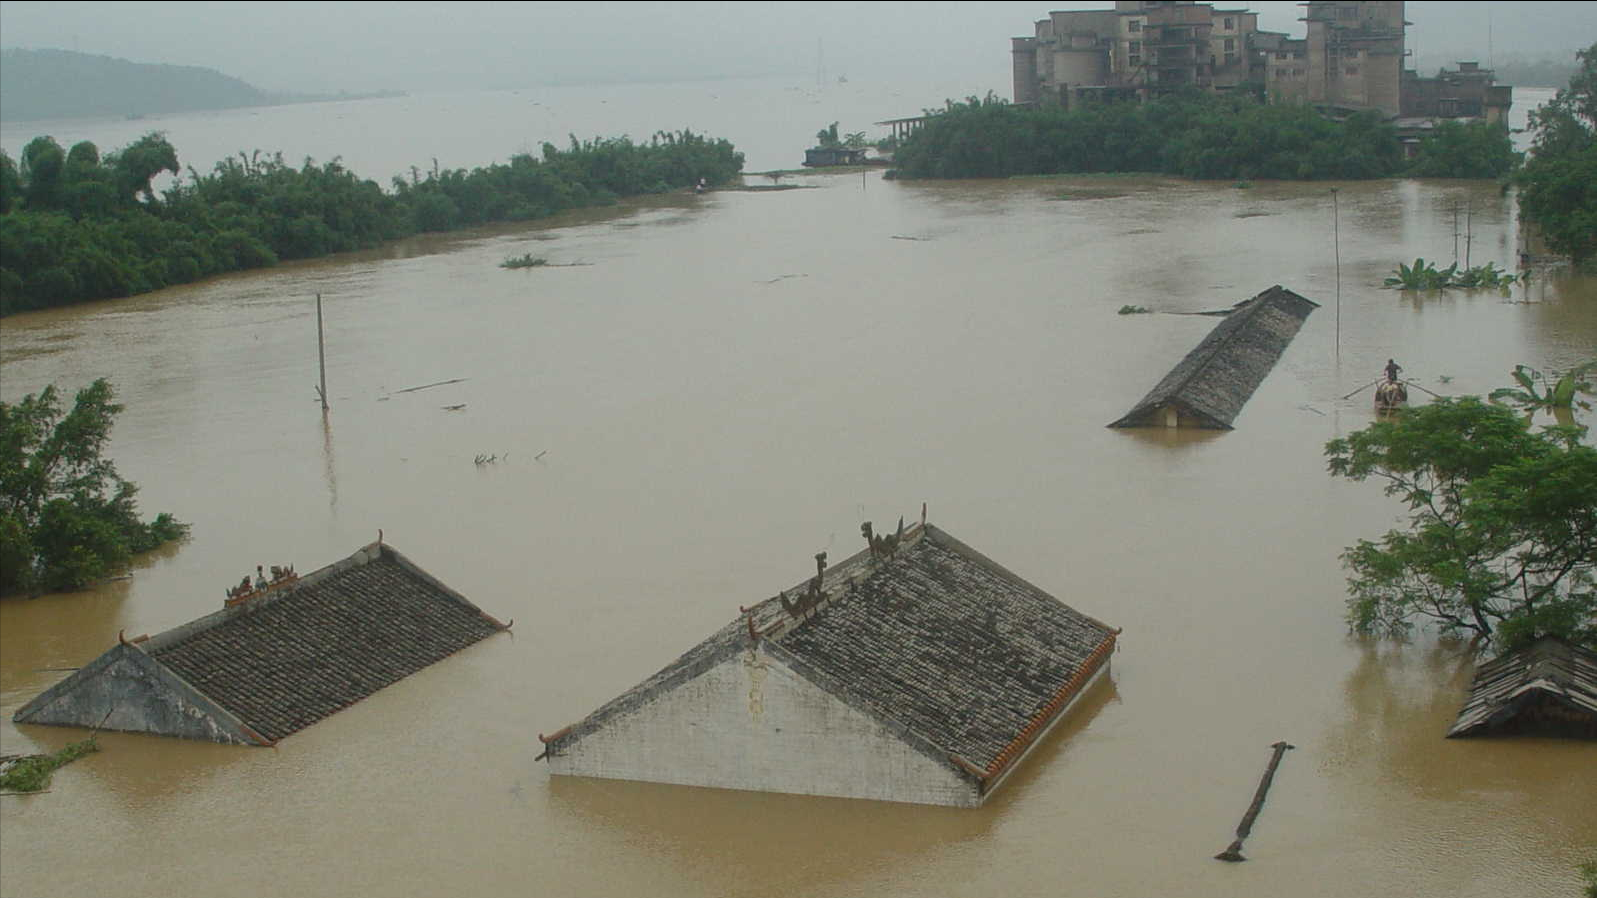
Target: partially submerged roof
(1210, 386)
(955, 655)
(276, 662)
(1548, 688)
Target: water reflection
(1401, 699)
(329, 469)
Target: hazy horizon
(338, 46)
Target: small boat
(1390, 395)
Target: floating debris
(29, 774)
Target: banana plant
(1537, 391)
(1422, 275)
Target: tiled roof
(1548, 670)
(949, 646)
(339, 636)
(1220, 374)
(961, 657)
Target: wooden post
(1233, 852)
(321, 353)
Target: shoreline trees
(76, 226)
(1558, 186)
(1193, 135)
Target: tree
(137, 164)
(1502, 536)
(1558, 186)
(66, 518)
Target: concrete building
(1141, 49)
(274, 659)
(915, 671)
(1351, 59)
(1466, 92)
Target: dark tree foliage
(1471, 150)
(78, 226)
(1194, 135)
(66, 518)
(1558, 186)
(1502, 535)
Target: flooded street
(708, 391)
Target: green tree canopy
(1502, 535)
(66, 518)
(1558, 187)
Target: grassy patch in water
(526, 261)
(32, 772)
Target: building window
(1280, 54)
(1230, 24)
(1136, 47)
(1230, 44)
(1231, 59)
(1135, 60)
(1352, 70)
(1136, 25)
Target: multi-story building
(1353, 56)
(1140, 48)
(1350, 59)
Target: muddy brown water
(714, 389)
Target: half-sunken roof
(1217, 378)
(1547, 687)
(962, 658)
(293, 654)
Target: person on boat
(1392, 369)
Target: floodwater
(707, 392)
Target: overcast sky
(331, 46)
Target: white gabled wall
(752, 723)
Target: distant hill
(43, 84)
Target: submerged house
(275, 659)
(823, 157)
(1210, 386)
(915, 671)
(1548, 688)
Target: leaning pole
(1233, 852)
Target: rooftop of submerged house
(1546, 688)
(930, 641)
(274, 660)
(1209, 387)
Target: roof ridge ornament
(812, 595)
(883, 547)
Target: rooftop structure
(273, 660)
(1546, 688)
(1209, 387)
(915, 671)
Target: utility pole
(1336, 232)
(1469, 231)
